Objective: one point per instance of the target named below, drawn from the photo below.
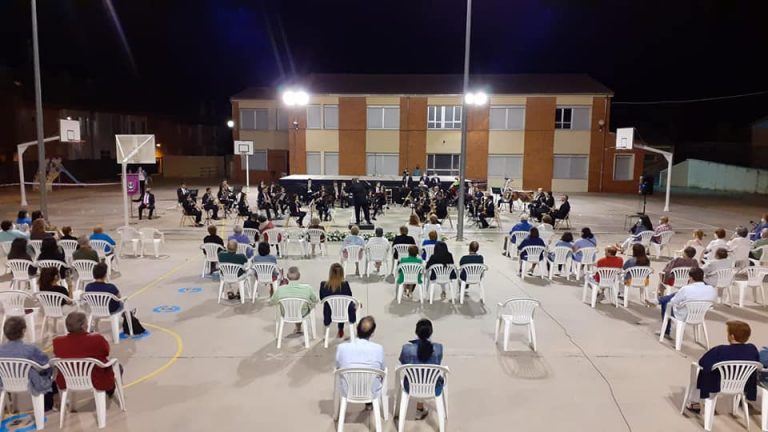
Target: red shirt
(81, 345)
(614, 262)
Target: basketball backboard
(625, 138)
(244, 147)
(135, 149)
(69, 130)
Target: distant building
(759, 158)
(549, 131)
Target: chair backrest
(128, 233)
(428, 251)
(665, 237)
(442, 272)
(315, 235)
(291, 309)
(532, 253)
(561, 254)
(518, 310)
(588, 255)
(98, 302)
(101, 247)
(84, 269)
(69, 247)
(148, 234)
(725, 277)
(638, 275)
(734, 375)
(251, 233)
(518, 236)
(680, 274)
(50, 263)
(19, 268)
(696, 311)
(401, 249)
(411, 272)
(14, 373)
(212, 251)
(473, 272)
(230, 272)
(763, 253)
(422, 379)
(13, 302)
(377, 252)
(264, 271)
(273, 236)
(76, 372)
(645, 237)
(52, 303)
(243, 248)
(339, 305)
(359, 383)
(5, 248)
(354, 253)
(756, 274)
(608, 276)
(36, 245)
(699, 252)
(296, 235)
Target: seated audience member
(37, 231)
(231, 256)
(472, 258)
(240, 237)
(336, 285)
(432, 225)
(720, 261)
(265, 224)
(695, 242)
(546, 229)
(252, 221)
(587, 240)
(708, 380)
(314, 223)
(295, 289)
(430, 240)
(49, 250)
(78, 343)
(638, 259)
(264, 256)
(566, 240)
(360, 352)
(757, 231)
(610, 260)
(562, 211)
(413, 257)
(40, 381)
(687, 260)
(84, 250)
(739, 247)
(533, 239)
(99, 234)
(213, 237)
(49, 281)
(443, 257)
(717, 243)
(422, 351)
(353, 239)
(663, 226)
(414, 226)
(402, 238)
(19, 252)
(66, 233)
(9, 233)
(642, 225)
(23, 219)
(100, 284)
(696, 290)
(523, 225)
(377, 239)
(756, 252)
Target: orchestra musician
(209, 204)
(379, 200)
(294, 207)
(322, 205)
(441, 207)
(487, 210)
(264, 200)
(181, 193)
(191, 209)
(334, 194)
(434, 180)
(243, 209)
(310, 192)
(343, 195)
(544, 203)
(226, 197)
(407, 181)
(359, 191)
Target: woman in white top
(414, 227)
(546, 229)
(432, 225)
(717, 243)
(697, 242)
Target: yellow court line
(158, 280)
(171, 361)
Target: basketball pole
(464, 117)
(41, 172)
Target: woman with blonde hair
(432, 225)
(414, 227)
(336, 285)
(37, 231)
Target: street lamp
(477, 98)
(230, 124)
(295, 97)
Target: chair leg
(441, 415)
(38, 407)
(63, 408)
(280, 334)
(342, 414)
(307, 330)
(745, 406)
(482, 292)
(377, 415)
(679, 333)
(403, 411)
(327, 334)
(506, 335)
(462, 291)
(100, 398)
(706, 336)
(496, 328)
(709, 412)
(114, 322)
(532, 328)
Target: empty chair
(688, 313)
(560, 256)
(442, 279)
(21, 277)
(52, 304)
(77, 376)
(401, 250)
(36, 245)
(514, 239)
(679, 277)
(251, 233)
(724, 283)
(587, 263)
(422, 381)
(427, 251)
(84, 270)
(129, 237)
(14, 305)
(533, 256)
(755, 277)
(315, 236)
(412, 273)
(298, 237)
(98, 309)
(263, 273)
(14, 373)
(356, 385)
(233, 274)
(608, 279)
(658, 248)
(153, 237)
(274, 237)
(639, 278)
(339, 305)
(518, 312)
(377, 253)
(352, 254)
(291, 311)
(474, 274)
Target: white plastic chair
(5, 249)
(442, 278)
(101, 247)
(244, 248)
(725, 282)
(129, 236)
(733, 379)
(251, 233)
(411, 272)
(69, 247)
(562, 257)
(533, 255)
(151, 236)
(211, 256)
(427, 251)
(235, 274)
(695, 315)
(755, 277)
(14, 373)
(354, 255)
(98, 309)
(339, 305)
(52, 304)
(609, 279)
(36, 246)
(680, 277)
(638, 277)
(644, 238)
(263, 273)
(657, 248)
(21, 277)
(474, 274)
(356, 385)
(14, 306)
(315, 236)
(58, 265)
(298, 237)
(84, 270)
(422, 385)
(518, 236)
(587, 263)
(518, 312)
(274, 236)
(377, 253)
(77, 376)
(290, 310)
(401, 250)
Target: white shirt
(414, 231)
(360, 353)
(711, 266)
(697, 291)
(714, 245)
(431, 227)
(739, 248)
(377, 240)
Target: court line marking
(169, 363)
(158, 280)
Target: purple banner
(132, 184)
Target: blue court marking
(11, 424)
(124, 336)
(195, 290)
(166, 309)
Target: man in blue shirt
(100, 284)
(8, 234)
(238, 236)
(99, 234)
(523, 225)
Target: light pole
(463, 155)
(41, 172)
(291, 99)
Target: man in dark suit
(359, 193)
(147, 202)
(190, 208)
(489, 211)
(562, 211)
(434, 180)
(209, 204)
(181, 193)
(407, 181)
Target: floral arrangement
(338, 236)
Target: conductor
(359, 193)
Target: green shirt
(83, 254)
(295, 289)
(758, 254)
(406, 260)
(233, 258)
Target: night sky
(179, 53)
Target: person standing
(359, 193)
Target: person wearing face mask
(756, 232)
(696, 290)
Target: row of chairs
(412, 272)
(138, 240)
(22, 279)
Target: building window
(314, 165)
(384, 117)
(314, 117)
(505, 166)
(257, 161)
(382, 164)
(254, 119)
(331, 163)
(570, 167)
(282, 119)
(330, 116)
(623, 167)
(507, 118)
(444, 116)
(573, 118)
(443, 164)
